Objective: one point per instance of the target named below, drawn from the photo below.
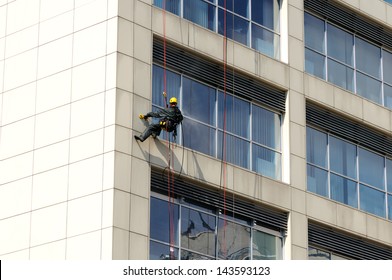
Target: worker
(169, 118)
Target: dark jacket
(170, 117)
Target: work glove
(141, 116)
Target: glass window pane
(340, 75)
(388, 96)
(390, 207)
(314, 33)
(371, 168)
(199, 137)
(389, 175)
(173, 85)
(237, 114)
(387, 66)
(340, 44)
(237, 150)
(368, 58)
(200, 12)
(198, 101)
(343, 157)
(172, 6)
(372, 201)
(265, 41)
(238, 6)
(315, 63)
(344, 190)
(369, 88)
(266, 246)
(160, 220)
(317, 254)
(316, 147)
(236, 28)
(266, 127)
(264, 13)
(188, 255)
(266, 162)
(317, 180)
(159, 251)
(233, 241)
(197, 231)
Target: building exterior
(284, 151)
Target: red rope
(224, 127)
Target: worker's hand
(164, 94)
(141, 116)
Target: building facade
(284, 151)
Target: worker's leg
(153, 129)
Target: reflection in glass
(369, 88)
(389, 207)
(161, 220)
(389, 175)
(317, 254)
(344, 190)
(236, 28)
(199, 137)
(266, 246)
(265, 41)
(340, 75)
(160, 251)
(388, 96)
(172, 6)
(387, 66)
(266, 127)
(368, 58)
(233, 241)
(372, 201)
(266, 162)
(371, 168)
(200, 12)
(239, 7)
(314, 33)
(343, 157)
(315, 63)
(198, 231)
(173, 85)
(317, 180)
(316, 147)
(340, 45)
(188, 255)
(237, 150)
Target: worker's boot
(139, 138)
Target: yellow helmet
(173, 100)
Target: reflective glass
(344, 190)
(239, 7)
(315, 63)
(237, 150)
(343, 157)
(388, 96)
(371, 168)
(188, 255)
(173, 85)
(265, 41)
(372, 200)
(314, 33)
(264, 13)
(266, 162)
(389, 175)
(200, 12)
(233, 241)
(159, 251)
(340, 75)
(340, 44)
(160, 221)
(172, 6)
(317, 254)
(317, 180)
(198, 101)
(198, 231)
(369, 88)
(266, 246)
(316, 147)
(236, 27)
(388, 1)
(266, 127)
(389, 207)
(368, 58)
(237, 114)
(199, 137)
(387, 66)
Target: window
(348, 173)
(252, 133)
(201, 232)
(329, 55)
(254, 23)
